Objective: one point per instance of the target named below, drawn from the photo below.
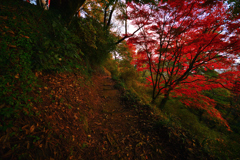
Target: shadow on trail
(126, 131)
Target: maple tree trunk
(126, 23)
(200, 114)
(153, 100)
(164, 101)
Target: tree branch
(110, 15)
(122, 39)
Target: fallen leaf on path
(32, 128)
(4, 17)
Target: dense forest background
(50, 58)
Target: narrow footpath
(89, 119)
(120, 131)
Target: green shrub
(130, 97)
(128, 75)
(96, 42)
(112, 67)
(31, 40)
(119, 85)
(58, 49)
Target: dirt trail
(89, 120)
(119, 131)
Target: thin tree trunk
(105, 17)
(126, 22)
(153, 100)
(164, 101)
(111, 14)
(115, 55)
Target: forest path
(120, 131)
(89, 119)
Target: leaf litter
(81, 120)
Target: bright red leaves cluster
(179, 41)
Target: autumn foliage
(181, 43)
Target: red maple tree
(179, 42)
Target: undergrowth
(193, 128)
(35, 43)
(28, 45)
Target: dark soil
(89, 119)
(122, 130)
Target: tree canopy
(178, 40)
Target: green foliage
(84, 145)
(130, 97)
(112, 67)
(96, 42)
(32, 40)
(17, 79)
(143, 75)
(210, 135)
(208, 73)
(220, 95)
(57, 48)
(234, 6)
(119, 84)
(227, 104)
(127, 73)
